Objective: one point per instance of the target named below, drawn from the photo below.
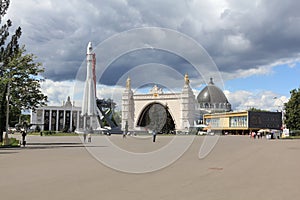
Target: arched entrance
(164, 112)
(156, 116)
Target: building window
(240, 121)
(213, 123)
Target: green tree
(257, 110)
(14, 116)
(20, 75)
(3, 7)
(292, 110)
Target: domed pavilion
(212, 100)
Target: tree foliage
(23, 74)
(292, 110)
(20, 74)
(3, 7)
(257, 110)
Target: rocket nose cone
(89, 48)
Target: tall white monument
(128, 107)
(89, 107)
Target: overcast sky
(254, 44)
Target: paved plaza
(237, 168)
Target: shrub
(295, 133)
(65, 129)
(14, 142)
(37, 128)
(49, 132)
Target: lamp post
(282, 112)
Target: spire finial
(186, 79)
(89, 48)
(211, 82)
(128, 83)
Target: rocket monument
(89, 108)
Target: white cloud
(111, 92)
(243, 100)
(260, 70)
(58, 91)
(237, 43)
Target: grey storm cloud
(238, 35)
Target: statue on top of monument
(128, 83)
(186, 79)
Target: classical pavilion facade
(66, 117)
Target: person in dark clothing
(84, 137)
(23, 137)
(154, 135)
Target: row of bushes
(295, 133)
(48, 132)
(13, 142)
(65, 129)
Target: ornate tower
(187, 108)
(128, 107)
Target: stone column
(50, 120)
(64, 121)
(71, 118)
(57, 118)
(78, 118)
(43, 119)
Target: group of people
(126, 132)
(153, 135)
(257, 135)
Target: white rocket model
(89, 95)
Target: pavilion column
(71, 118)
(84, 122)
(64, 121)
(50, 120)
(57, 118)
(78, 118)
(43, 119)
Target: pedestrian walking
(84, 137)
(89, 137)
(126, 130)
(154, 135)
(23, 137)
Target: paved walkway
(237, 168)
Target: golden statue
(186, 79)
(128, 83)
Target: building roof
(211, 94)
